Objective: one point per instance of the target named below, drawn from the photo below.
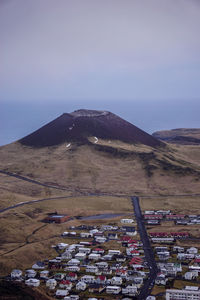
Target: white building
(61, 293)
(174, 294)
(81, 286)
(85, 250)
(80, 256)
(51, 284)
(116, 280)
(16, 274)
(32, 282)
(94, 256)
(31, 273)
(91, 269)
(114, 252)
(130, 290)
(112, 289)
(127, 221)
(88, 279)
(44, 274)
(73, 262)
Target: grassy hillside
(104, 167)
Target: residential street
(149, 255)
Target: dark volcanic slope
(81, 124)
(184, 136)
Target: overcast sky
(138, 58)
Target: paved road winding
(148, 251)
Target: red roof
(71, 274)
(99, 249)
(101, 277)
(134, 251)
(67, 282)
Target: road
(148, 251)
(33, 201)
(32, 180)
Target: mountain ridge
(184, 136)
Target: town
(108, 261)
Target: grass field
(24, 239)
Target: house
(174, 217)
(120, 258)
(59, 276)
(85, 250)
(112, 289)
(163, 212)
(153, 222)
(101, 279)
(44, 274)
(56, 218)
(85, 243)
(114, 252)
(181, 222)
(71, 276)
(178, 249)
(151, 298)
(161, 249)
(130, 230)
(81, 286)
(191, 275)
(175, 294)
(72, 268)
(73, 262)
(122, 273)
(66, 255)
(138, 280)
(65, 284)
(153, 217)
(61, 293)
(16, 274)
(113, 236)
(185, 256)
(166, 240)
(72, 297)
(30, 273)
(61, 246)
(130, 290)
(86, 234)
(107, 257)
(98, 251)
(116, 280)
(149, 212)
(51, 284)
(88, 279)
(96, 288)
(38, 265)
(192, 250)
(107, 271)
(100, 239)
(32, 282)
(163, 255)
(94, 256)
(102, 265)
(195, 267)
(161, 279)
(80, 256)
(91, 269)
(127, 221)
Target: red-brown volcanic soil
(81, 124)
